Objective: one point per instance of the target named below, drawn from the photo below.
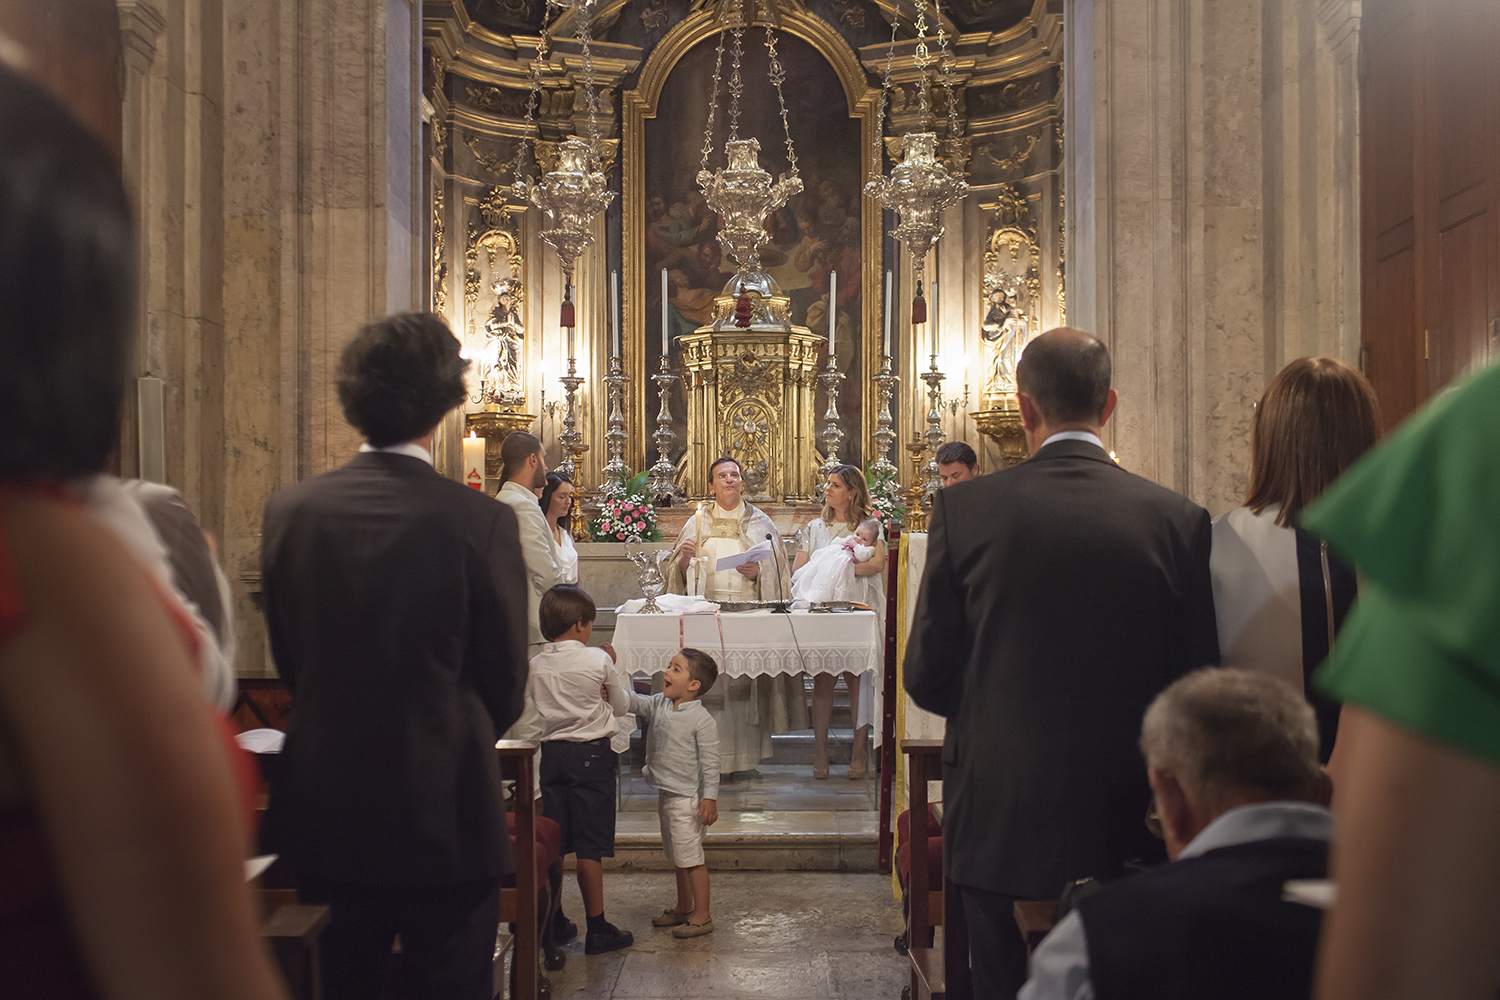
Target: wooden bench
(518, 903)
(938, 974)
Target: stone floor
(814, 935)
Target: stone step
(775, 841)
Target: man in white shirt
(524, 470)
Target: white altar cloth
(754, 643)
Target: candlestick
(886, 382)
(932, 305)
(887, 313)
(662, 484)
(615, 470)
(833, 434)
(474, 461)
(934, 435)
(570, 438)
(916, 517)
(614, 311)
(697, 585)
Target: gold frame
(639, 104)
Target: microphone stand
(785, 599)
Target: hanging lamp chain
(590, 96)
(533, 98)
(736, 82)
(945, 68)
(713, 103)
(778, 77)
(923, 59)
(877, 162)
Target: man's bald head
(1066, 372)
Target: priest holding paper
(747, 710)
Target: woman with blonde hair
(846, 503)
(1279, 594)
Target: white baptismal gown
(828, 574)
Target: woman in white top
(1279, 594)
(845, 504)
(556, 501)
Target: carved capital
(141, 25)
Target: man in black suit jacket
(1059, 597)
(396, 603)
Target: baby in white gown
(828, 575)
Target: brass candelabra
(916, 517)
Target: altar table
(754, 643)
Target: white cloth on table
(677, 604)
(565, 557)
(828, 575)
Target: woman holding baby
(846, 505)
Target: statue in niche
(505, 338)
(1004, 330)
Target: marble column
(1207, 246)
(322, 218)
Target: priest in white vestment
(747, 710)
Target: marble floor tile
(777, 935)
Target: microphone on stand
(770, 537)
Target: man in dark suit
(396, 603)
(1059, 598)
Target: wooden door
(1430, 190)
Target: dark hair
(701, 668)
(956, 452)
(562, 607)
(515, 450)
(720, 461)
(399, 375)
(1066, 372)
(1317, 416)
(67, 289)
(554, 480)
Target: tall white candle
(664, 346)
(833, 305)
(570, 343)
(614, 309)
(932, 306)
(474, 461)
(887, 313)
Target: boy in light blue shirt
(682, 764)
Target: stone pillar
(1205, 244)
(322, 208)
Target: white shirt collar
(715, 510)
(562, 646)
(511, 486)
(1262, 821)
(1088, 436)
(408, 449)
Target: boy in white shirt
(682, 764)
(579, 767)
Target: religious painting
(494, 333)
(817, 232)
(1012, 288)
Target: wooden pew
(518, 904)
(940, 974)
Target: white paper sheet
(759, 552)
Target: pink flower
(620, 535)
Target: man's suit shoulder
(1118, 479)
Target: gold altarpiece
(750, 393)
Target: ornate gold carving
(1010, 204)
(654, 15)
(546, 154)
(498, 164)
(750, 376)
(1009, 97)
(493, 424)
(439, 136)
(1002, 424)
(494, 208)
(439, 252)
(1013, 161)
(850, 13)
(498, 100)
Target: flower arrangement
(628, 517)
(885, 498)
